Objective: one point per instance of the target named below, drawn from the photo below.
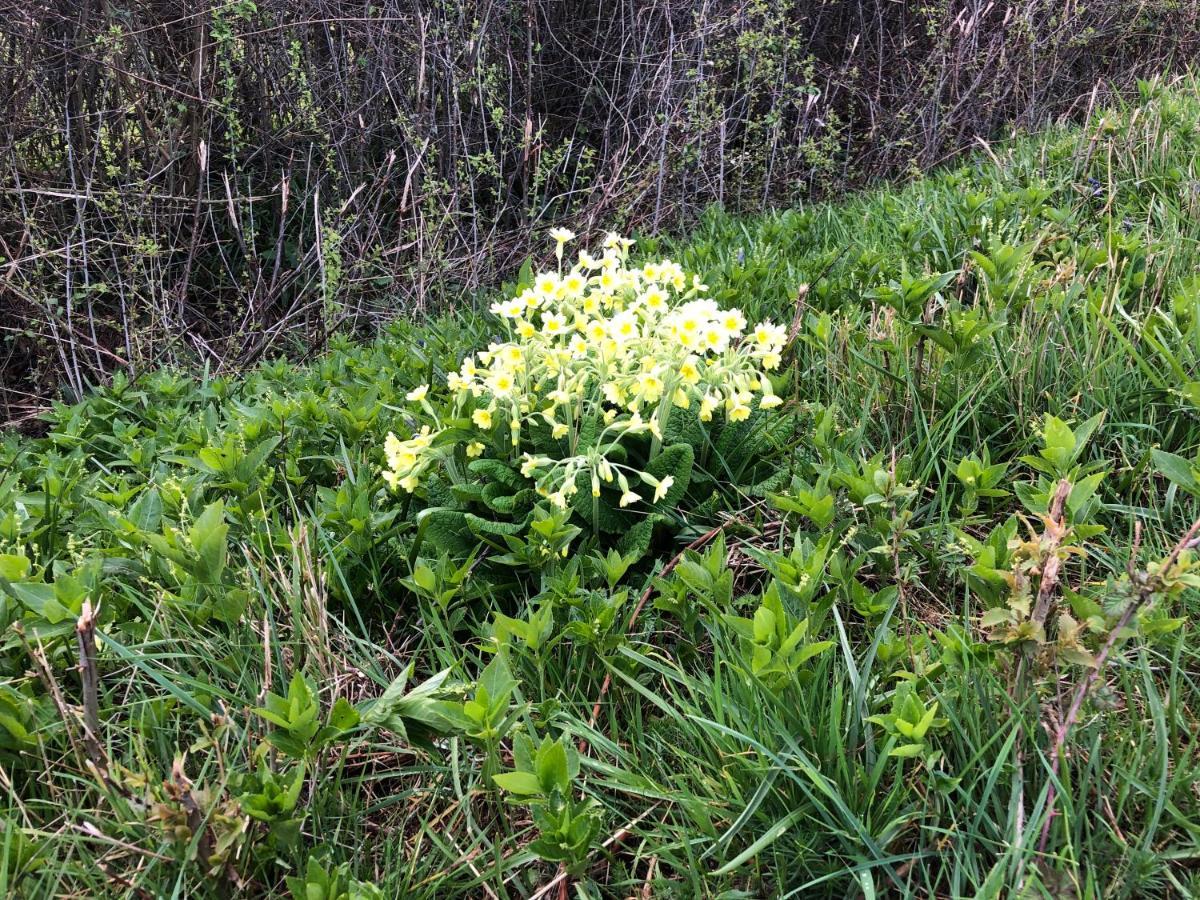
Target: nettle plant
(602, 363)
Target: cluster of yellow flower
(606, 341)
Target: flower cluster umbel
(605, 342)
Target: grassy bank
(900, 658)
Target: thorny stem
(1145, 590)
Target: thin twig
(89, 677)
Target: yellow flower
(733, 322)
(662, 487)
(624, 327)
(573, 284)
(512, 308)
(607, 338)
(688, 371)
(650, 387)
(562, 235)
(654, 299)
(409, 483)
(530, 466)
(613, 393)
(501, 383)
(713, 338)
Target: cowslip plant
(594, 355)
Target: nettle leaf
(419, 714)
(38, 599)
(254, 460)
(146, 512)
(1083, 490)
(343, 716)
(1059, 440)
(1031, 498)
(993, 618)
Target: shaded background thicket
(206, 183)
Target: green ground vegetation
(934, 634)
